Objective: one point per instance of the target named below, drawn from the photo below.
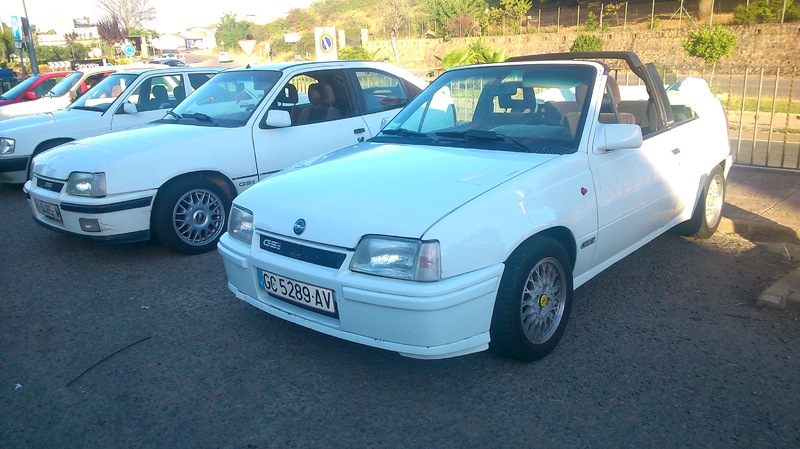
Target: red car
(32, 88)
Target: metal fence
(763, 112)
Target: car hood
(386, 189)
(149, 148)
(41, 105)
(64, 118)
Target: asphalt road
(134, 346)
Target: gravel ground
(107, 346)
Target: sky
(172, 15)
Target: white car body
(469, 204)
(36, 133)
(234, 131)
(63, 93)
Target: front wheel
(189, 215)
(534, 300)
(708, 213)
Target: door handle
(676, 151)
(359, 131)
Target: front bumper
(429, 320)
(115, 218)
(13, 170)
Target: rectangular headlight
(240, 224)
(7, 145)
(398, 258)
(86, 184)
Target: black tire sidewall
(161, 218)
(507, 334)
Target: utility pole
(26, 29)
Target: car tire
(708, 213)
(189, 215)
(533, 301)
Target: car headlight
(86, 184)
(398, 258)
(7, 145)
(240, 224)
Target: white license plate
(50, 211)
(306, 295)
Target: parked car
(471, 217)
(223, 57)
(172, 62)
(121, 100)
(175, 180)
(65, 92)
(32, 88)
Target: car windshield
(523, 108)
(17, 90)
(100, 97)
(64, 85)
(227, 100)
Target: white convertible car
(469, 220)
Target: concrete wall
(767, 46)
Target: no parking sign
(325, 38)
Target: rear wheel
(708, 213)
(189, 215)
(534, 300)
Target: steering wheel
(541, 120)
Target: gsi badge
(299, 226)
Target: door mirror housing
(129, 108)
(277, 118)
(616, 136)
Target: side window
(380, 91)
(315, 97)
(634, 104)
(678, 95)
(198, 79)
(45, 86)
(156, 93)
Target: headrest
(320, 93)
(288, 94)
(159, 91)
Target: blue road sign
(129, 50)
(16, 28)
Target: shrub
(766, 11)
(586, 42)
(355, 54)
(710, 43)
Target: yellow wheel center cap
(543, 300)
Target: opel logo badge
(299, 226)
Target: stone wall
(763, 46)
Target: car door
(380, 95)
(323, 118)
(636, 193)
(153, 96)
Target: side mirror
(129, 108)
(617, 136)
(277, 118)
(30, 95)
(384, 122)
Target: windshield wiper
(89, 108)
(199, 116)
(483, 135)
(408, 133)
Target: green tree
(586, 42)
(766, 11)
(516, 10)
(6, 43)
(710, 43)
(231, 31)
(442, 12)
(355, 54)
(476, 53)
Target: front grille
(307, 254)
(52, 186)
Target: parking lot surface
(136, 346)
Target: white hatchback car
(475, 212)
(120, 101)
(176, 178)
